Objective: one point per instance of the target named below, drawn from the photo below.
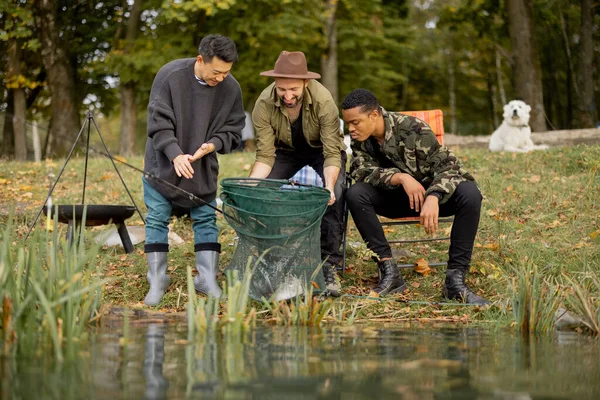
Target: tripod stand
(94, 214)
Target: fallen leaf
(422, 267)
(373, 294)
(491, 246)
(416, 285)
(4, 181)
(316, 286)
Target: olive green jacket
(320, 124)
(409, 146)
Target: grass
(50, 293)
(540, 206)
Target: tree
(14, 82)
(127, 87)
(65, 122)
(329, 65)
(527, 68)
(585, 110)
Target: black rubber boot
(390, 279)
(332, 280)
(455, 288)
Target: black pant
(366, 202)
(287, 163)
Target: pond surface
(386, 361)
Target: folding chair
(435, 119)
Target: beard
(297, 100)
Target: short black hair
(217, 46)
(363, 98)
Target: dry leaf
(416, 285)
(491, 246)
(316, 286)
(422, 267)
(4, 181)
(595, 234)
(373, 294)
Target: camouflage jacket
(410, 147)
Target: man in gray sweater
(195, 111)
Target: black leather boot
(455, 288)
(390, 279)
(332, 280)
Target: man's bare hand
(205, 149)
(183, 167)
(331, 196)
(429, 214)
(414, 190)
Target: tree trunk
(128, 118)
(61, 78)
(570, 82)
(19, 106)
(329, 69)
(127, 89)
(527, 68)
(501, 90)
(585, 109)
(452, 92)
(8, 138)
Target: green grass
(50, 293)
(539, 208)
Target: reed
(534, 299)
(49, 293)
(306, 309)
(205, 315)
(583, 299)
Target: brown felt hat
(291, 64)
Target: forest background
(61, 58)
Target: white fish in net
(290, 288)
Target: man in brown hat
(296, 124)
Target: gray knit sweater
(182, 115)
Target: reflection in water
(154, 357)
(360, 362)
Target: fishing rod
(427, 303)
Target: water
(410, 361)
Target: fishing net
(278, 226)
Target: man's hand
(182, 166)
(331, 196)
(430, 214)
(412, 187)
(205, 149)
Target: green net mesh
(278, 226)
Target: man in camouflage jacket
(401, 170)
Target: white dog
(514, 134)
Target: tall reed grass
(583, 299)
(534, 298)
(204, 313)
(305, 309)
(49, 292)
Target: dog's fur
(514, 134)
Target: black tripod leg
(124, 235)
